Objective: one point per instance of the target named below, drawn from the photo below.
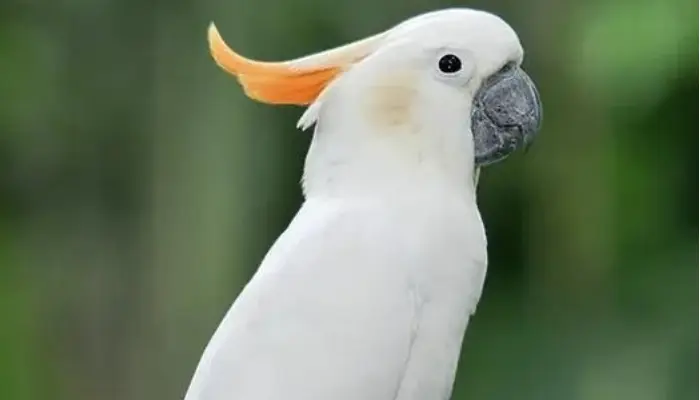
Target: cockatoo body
(368, 293)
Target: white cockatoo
(368, 292)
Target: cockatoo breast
(358, 299)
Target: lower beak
(506, 116)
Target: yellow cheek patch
(391, 99)
(271, 82)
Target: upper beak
(506, 115)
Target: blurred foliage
(139, 189)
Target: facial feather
(391, 100)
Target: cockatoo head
(444, 89)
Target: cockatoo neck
(353, 158)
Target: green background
(139, 189)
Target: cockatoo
(368, 292)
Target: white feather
(368, 292)
(356, 300)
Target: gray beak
(506, 116)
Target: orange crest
(297, 82)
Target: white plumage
(368, 292)
(341, 309)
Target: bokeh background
(139, 189)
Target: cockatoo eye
(450, 64)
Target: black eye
(450, 64)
